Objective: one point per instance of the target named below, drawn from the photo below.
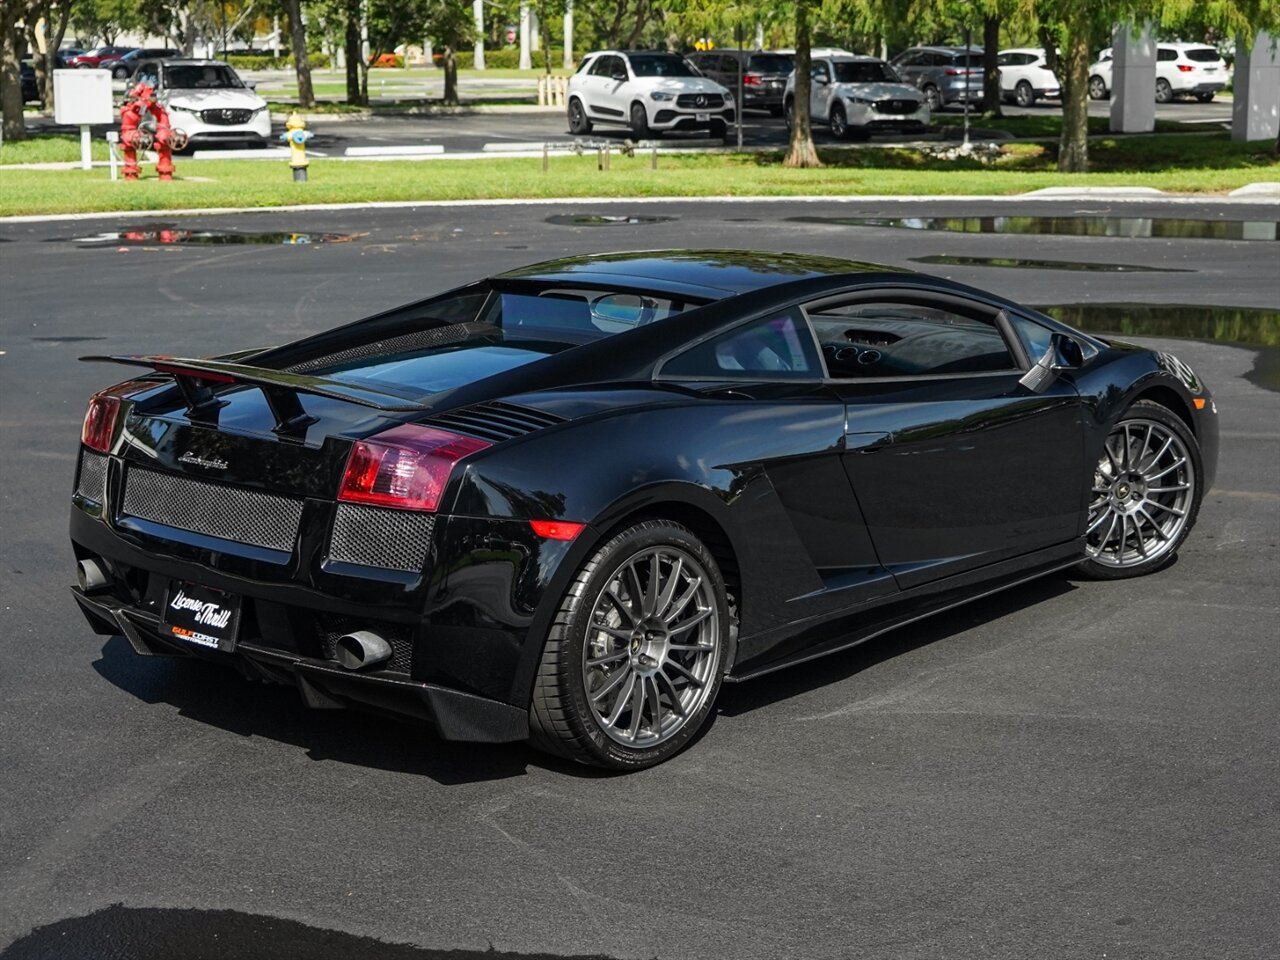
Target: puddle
(605, 220)
(1026, 264)
(170, 236)
(1249, 326)
(153, 933)
(1138, 227)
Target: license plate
(702, 117)
(1210, 69)
(201, 615)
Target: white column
(364, 31)
(535, 31)
(526, 61)
(275, 37)
(477, 11)
(1133, 79)
(759, 34)
(1255, 107)
(568, 35)
(428, 55)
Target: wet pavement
(1068, 768)
(1027, 263)
(1164, 228)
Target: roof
(711, 274)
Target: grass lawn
(1175, 163)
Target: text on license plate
(201, 615)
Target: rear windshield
(1202, 55)
(769, 63)
(864, 71)
(211, 76)
(971, 60)
(659, 65)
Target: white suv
(1025, 76)
(208, 100)
(855, 96)
(649, 92)
(1181, 68)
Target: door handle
(866, 442)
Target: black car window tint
(600, 68)
(869, 339)
(777, 347)
(1164, 53)
(769, 63)
(659, 65)
(1202, 55)
(208, 76)
(820, 71)
(149, 74)
(860, 71)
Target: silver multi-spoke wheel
(1144, 489)
(652, 647)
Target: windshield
(769, 63)
(660, 65)
(1202, 55)
(211, 76)
(864, 71)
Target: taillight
(100, 422)
(1185, 67)
(751, 79)
(406, 467)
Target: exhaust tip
(360, 649)
(91, 577)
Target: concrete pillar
(1255, 109)
(535, 31)
(1133, 79)
(428, 54)
(759, 35)
(526, 60)
(477, 11)
(568, 35)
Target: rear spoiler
(197, 380)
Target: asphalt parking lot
(1067, 769)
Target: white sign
(82, 97)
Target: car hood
(681, 84)
(879, 91)
(214, 99)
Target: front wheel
(1146, 494)
(933, 98)
(636, 652)
(839, 123)
(1164, 92)
(639, 121)
(578, 122)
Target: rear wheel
(933, 98)
(578, 122)
(788, 111)
(1205, 97)
(639, 121)
(1146, 494)
(634, 658)
(1023, 95)
(1097, 88)
(1164, 92)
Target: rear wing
(197, 379)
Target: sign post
(82, 98)
(739, 36)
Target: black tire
(775, 110)
(1023, 95)
(1148, 411)
(839, 123)
(579, 125)
(788, 111)
(933, 98)
(561, 720)
(1205, 97)
(639, 122)
(1164, 92)
(1098, 88)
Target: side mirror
(620, 77)
(251, 84)
(1064, 353)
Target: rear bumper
(323, 685)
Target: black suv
(764, 75)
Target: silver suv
(855, 96)
(944, 75)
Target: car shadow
(739, 698)
(212, 694)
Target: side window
(908, 59)
(600, 68)
(820, 71)
(778, 347)
(1164, 53)
(618, 65)
(901, 338)
(1034, 337)
(1005, 60)
(148, 73)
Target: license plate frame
(202, 616)
(702, 117)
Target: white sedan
(1025, 76)
(650, 93)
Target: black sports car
(566, 502)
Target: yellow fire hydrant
(296, 135)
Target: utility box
(82, 97)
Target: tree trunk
(11, 78)
(301, 64)
(990, 69)
(800, 151)
(352, 44)
(38, 63)
(450, 76)
(1073, 148)
(52, 44)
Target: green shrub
(254, 61)
(507, 58)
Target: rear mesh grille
(330, 627)
(93, 477)
(229, 513)
(374, 537)
(496, 421)
(418, 340)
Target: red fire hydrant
(138, 102)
